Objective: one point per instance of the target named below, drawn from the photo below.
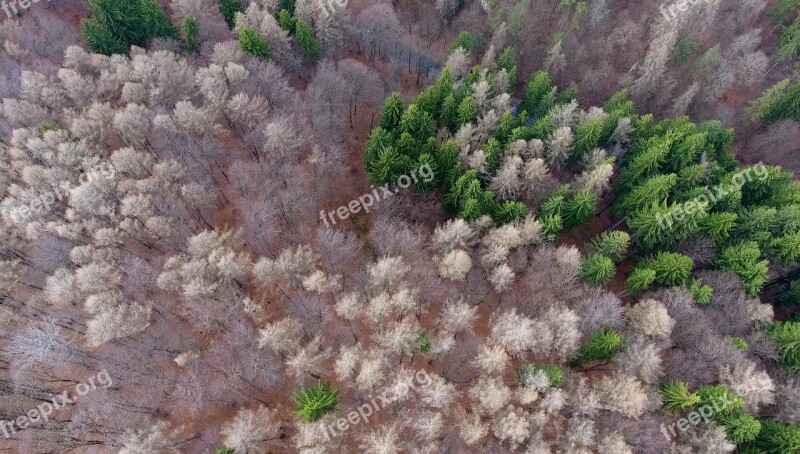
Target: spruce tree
(392, 112)
(741, 259)
(190, 33)
(612, 244)
(786, 338)
(305, 39)
(671, 268)
(253, 44)
(155, 21)
(540, 95)
(228, 9)
(598, 269)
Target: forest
(407, 226)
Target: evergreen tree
(677, 397)
(654, 190)
(587, 138)
(644, 164)
(579, 208)
(780, 101)
(155, 21)
(613, 244)
(789, 42)
(100, 40)
(286, 21)
(717, 226)
(671, 268)
(598, 269)
(776, 437)
(786, 248)
(313, 403)
(662, 226)
(701, 293)
(464, 41)
(418, 123)
(448, 117)
(552, 225)
(540, 95)
(467, 111)
(190, 32)
(447, 158)
(253, 44)
(639, 279)
(305, 39)
(721, 398)
(229, 8)
(786, 338)
(601, 347)
(392, 112)
(740, 428)
(510, 211)
(116, 25)
(742, 260)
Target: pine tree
(639, 279)
(539, 96)
(190, 32)
(155, 21)
(392, 112)
(253, 44)
(742, 260)
(510, 211)
(467, 111)
(286, 21)
(305, 39)
(552, 225)
(228, 9)
(786, 248)
(448, 117)
(677, 397)
(776, 437)
(717, 226)
(587, 138)
(740, 428)
(786, 338)
(601, 347)
(701, 293)
(598, 269)
(313, 403)
(789, 42)
(418, 123)
(100, 40)
(671, 268)
(463, 40)
(654, 190)
(613, 244)
(579, 208)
